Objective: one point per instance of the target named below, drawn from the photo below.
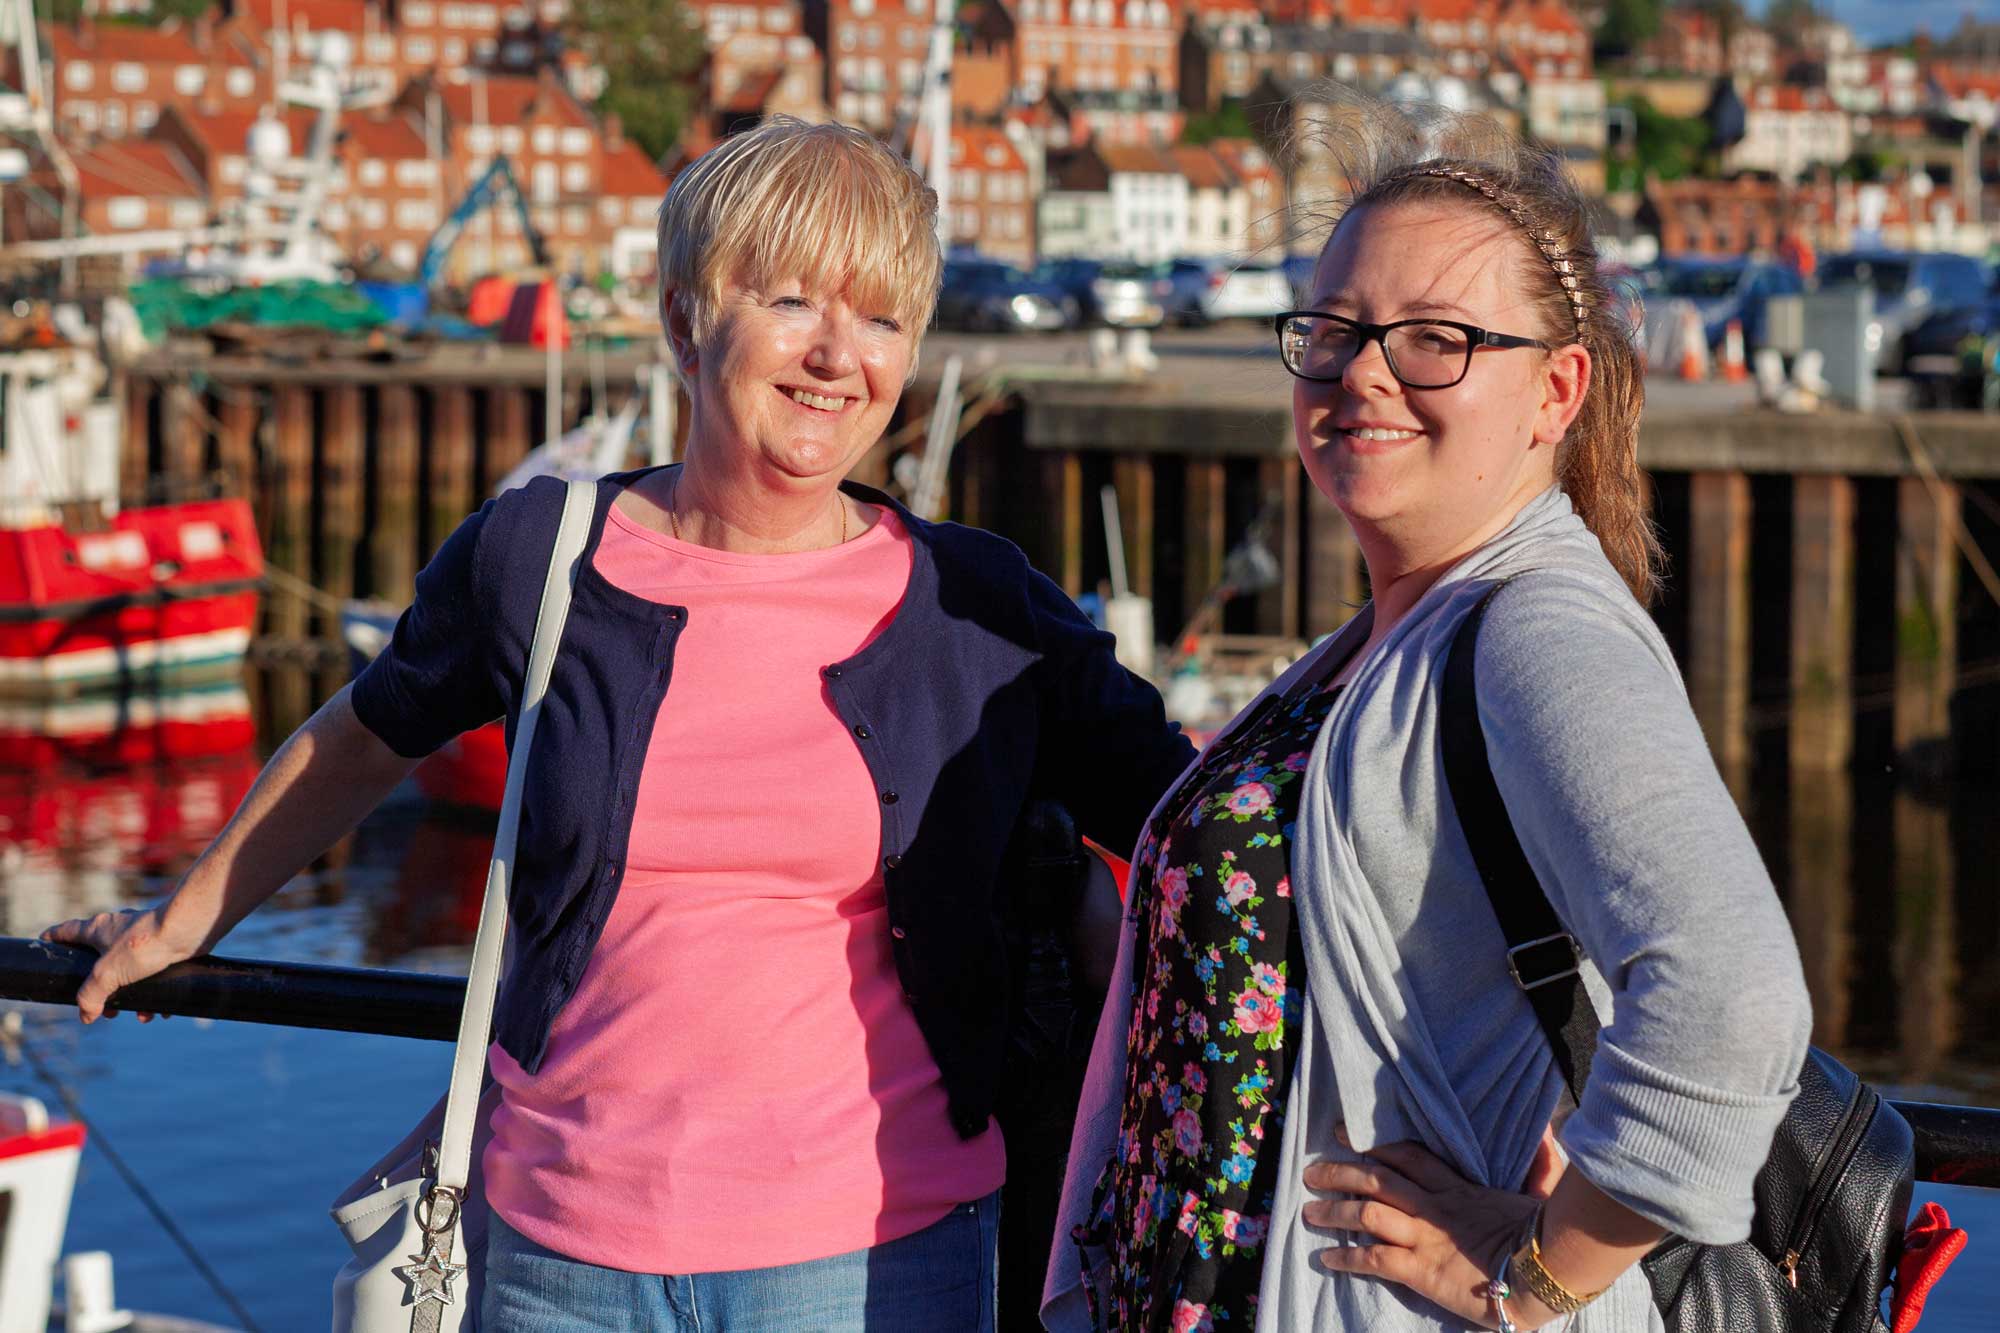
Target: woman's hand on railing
(131, 946)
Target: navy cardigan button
(889, 798)
(861, 730)
(831, 673)
(892, 861)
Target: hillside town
(1110, 129)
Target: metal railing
(1956, 1145)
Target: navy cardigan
(986, 686)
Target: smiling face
(1433, 472)
(794, 384)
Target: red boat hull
(169, 591)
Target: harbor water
(240, 1135)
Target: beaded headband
(1553, 250)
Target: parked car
(1132, 295)
(1205, 290)
(1077, 277)
(989, 296)
(1721, 290)
(1947, 356)
(1909, 288)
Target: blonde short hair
(827, 205)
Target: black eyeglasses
(1422, 353)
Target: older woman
(1319, 1098)
(751, 1046)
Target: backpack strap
(1541, 955)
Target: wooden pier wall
(1820, 595)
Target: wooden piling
(135, 461)
(1719, 615)
(1063, 472)
(392, 539)
(1926, 619)
(1132, 475)
(1333, 567)
(236, 444)
(508, 427)
(449, 463)
(1821, 734)
(1820, 901)
(1278, 606)
(183, 439)
(342, 455)
(1925, 959)
(287, 538)
(1206, 527)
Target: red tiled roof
(225, 130)
(977, 146)
(135, 167)
(1138, 158)
(172, 43)
(1245, 158)
(630, 174)
(313, 15)
(391, 137)
(753, 92)
(1960, 82)
(1204, 169)
(510, 100)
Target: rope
(286, 582)
(74, 1106)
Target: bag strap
(475, 1021)
(1541, 955)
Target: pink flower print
(1257, 1012)
(1193, 1076)
(1252, 798)
(1284, 889)
(1266, 979)
(1296, 762)
(1187, 1133)
(1192, 1318)
(1189, 1205)
(1238, 888)
(1252, 1230)
(1173, 897)
(1198, 1026)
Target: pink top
(738, 1082)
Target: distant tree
(1228, 121)
(1666, 147)
(1627, 25)
(185, 10)
(1789, 19)
(59, 11)
(649, 53)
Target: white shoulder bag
(404, 1216)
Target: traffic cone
(1733, 367)
(1694, 346)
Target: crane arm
(498, 176)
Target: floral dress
(1185, 1205)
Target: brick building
(992, 208)
(1265, 222)
(1225, 62)
(115, 79)
(875, 52)
(1788, 130)
(128, 185)
(551, 144)
(628, 205)
(1096, 45)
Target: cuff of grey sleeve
(1676, 1152)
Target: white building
(1149, 202)
(1789, 130)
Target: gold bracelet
(1526, 1270)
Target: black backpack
(1832, 1198)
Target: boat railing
(1956, 1145)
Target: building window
(78, 75)
(402, 254)
(419, 15)
(381, 48)
(186, 213)
(863, 8)
(114, 117)
(128, 78)
(576, 142)
(576, 221)
(777, 19)
(510, 139)
(409, 171)
(240, 82)
(144, 115)
(84, 114)
(544, 139)
(871, 36)
(847, 37)
(415, 215)
(230, 170)
(189, 80)
(373, 214)
(454, 51)
(418, 50)
(645, 210)
(608, 210)
(519, 52)
(128, 211)
(336, 215)
(576, 177)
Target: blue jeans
(939, 1280)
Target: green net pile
(165, 305)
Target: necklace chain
(674, 497)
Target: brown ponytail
(1396, 154)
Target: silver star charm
(430, 1277)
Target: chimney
(614, 132)
(202, 33)
(86, 31)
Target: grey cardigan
(1413, 1028)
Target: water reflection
(1890, 889)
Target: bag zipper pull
(1788, 1268)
